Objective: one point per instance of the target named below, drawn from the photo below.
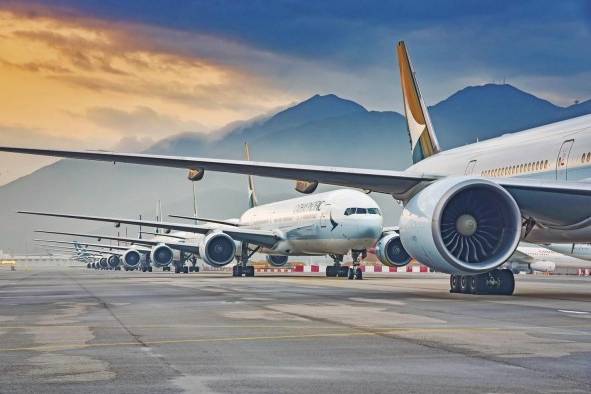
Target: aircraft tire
(358, 274)
(186, 270)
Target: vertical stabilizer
(422, 135)
(252, 197)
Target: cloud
(141, 121)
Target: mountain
(321, 130)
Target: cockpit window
(349, 211)
(361, 211)
(373, 211)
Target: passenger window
(361, 211)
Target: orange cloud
(91, 82)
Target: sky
(121, 75)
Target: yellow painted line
(234, 339)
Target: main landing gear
(241, 268)
(497, 282)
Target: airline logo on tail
(422, 136)
(252, 197)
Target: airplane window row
(586, 158)
(518, 169)
(362, 211)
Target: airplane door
(562, 160)
(470, 167)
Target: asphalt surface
(73, 330)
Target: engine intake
(132, 258)
(461, 225)
(217, 249)
(391, 252)
(103, 263)
(161, 255)
(277, 260)
(113, 261)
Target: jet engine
(113, 261)
(217, 249)
(543, 266)
(132, 259)
(390, 252)
(161, 255)
(103, 263)
(277, 260)
(461, 225)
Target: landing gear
(355, 270)
(193, 267)
(337, 270)
(241, 267)
(496, 282)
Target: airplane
(332, 223)
(530, 258)
(92, 257)
(465, 210)
(580, 251)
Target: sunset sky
(121, 75)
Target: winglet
(422, 135)
(252, 197)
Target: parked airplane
(530, 258)
(465, 209)
(580, 251)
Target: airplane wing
(107, 247)
(133, 241)
(396, 183)
(521, 257)
(558, 204)
(253, 236)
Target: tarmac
(73, 330)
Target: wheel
(196, 269)
(343, 271)
(454, 283)
(176, 269)
(186, 269)
(358, 274)
(149, 269)
(331, 271)
(507, 280)
(249, 271)
(464, 283)
(191, 269)
(351, 273)
(237, 270)
(473, 284)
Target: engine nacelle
(217, 249)
(132, 259)
(390, 252)
(543, 266)
(461, 225)
(277, 260)
(113, 261)
(103, 263)
(161, 255)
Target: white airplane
(580, 251)
(333, 223)
(529, 258)
(465, 209)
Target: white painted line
(575, 312)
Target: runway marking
(374, 332)
(575, 312)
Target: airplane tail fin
(422, 135)
(252, 197)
